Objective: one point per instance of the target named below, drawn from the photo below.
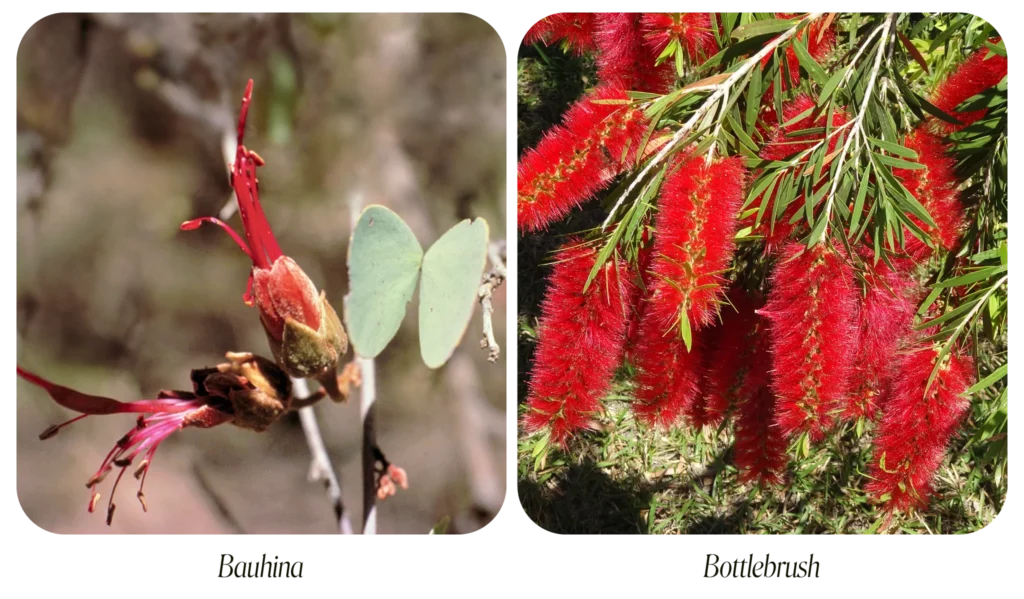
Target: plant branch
(320, 467)
(721, 93)
(491, 280)
(857, 128)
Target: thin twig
(720, 92)
(367, 412)
(491, 281)
(320, 467)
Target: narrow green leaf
(684, 329)
(897, 163)
(808, 63)
(893, 148)
(979, 275)
(862, 193)
(765, 27)
(988, 381)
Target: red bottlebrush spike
(574, 29)
(737, 360)
(917, 425)
(668, 379)
(624, 60)
(812, 310)
(694, 241)
(973, 76)
(578, 158)
(935, 187)
(641, 292)
(820, 38)
(886, 315)
(582, 335)
(692, 31)
(760, 448)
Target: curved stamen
(54, 429)
(191, 225)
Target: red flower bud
(304, 332)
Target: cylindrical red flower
(917, 425)
(694, 240)
(578, 158)
(935, 187)
(581, 341)
(668, 379)
(574, 29)
(760, 448)
(973, 76)
(624, 60)
(887, 309)
(812, 308)
(737, 364)
(691, 30)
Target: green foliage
(385, 261)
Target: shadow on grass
(585, 500)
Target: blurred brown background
(122, 123)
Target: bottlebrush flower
(812, 310)
(624, 60)
(578, 158)
(304, 332)
(738, 355)
(973, 76)
(917, 426)
(935, 187)
(581, 342)
(691, 30)
(668, 379)
(638, 299)
(820, 38)
(574, 29)
(694, 240)
(249, 392)
(760, 447)
(886, 315)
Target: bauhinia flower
(305, 334)
(248, 391)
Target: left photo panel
(261, 273)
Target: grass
(627, 479)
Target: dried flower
(582, 334)
(595, 142)
(917, 425)
(812, 310)
(249, 392)
(574, 29)
(304, 332)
